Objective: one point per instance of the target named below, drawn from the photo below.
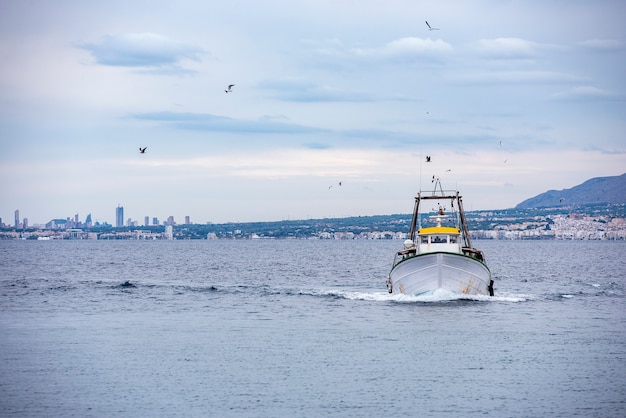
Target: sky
(508, 98)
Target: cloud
(216, 123)
(602, 44)
(275, 163)
(606, 151)
(335, 54)
(405, 47)
(585, 93)
(142, 50)
(295, 90)
(317, 146)
(330, 47)
(516, 77)
(506, 48)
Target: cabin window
(424, 239)
(439, 239)
(452, 239)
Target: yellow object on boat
(439, 230)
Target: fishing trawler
(439, 255)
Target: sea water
(294, 328)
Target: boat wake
(435, 296)
(363, 294)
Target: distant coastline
(580, 222)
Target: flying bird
(500, 143)
(340, 183)
(230, 88)
(429, 27)
(142, 150)
(428, 158)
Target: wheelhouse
(439, 238)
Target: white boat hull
(449, 271)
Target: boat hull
(440, 270)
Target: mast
(463, 223)
(415, 215)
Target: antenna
(437, 182)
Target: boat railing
(410, 250)
(474, 253)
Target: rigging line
(420, 177)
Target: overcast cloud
(509, 99)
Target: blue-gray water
(306, 328)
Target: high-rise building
(187, 220)
(17, 218)
(155, 221)
(119, 216)
(25, 223)
(146, 221)
(88, 221)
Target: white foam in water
(439, 295)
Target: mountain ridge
(610, 189)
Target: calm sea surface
(306, 328)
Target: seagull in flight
(429, 27)
(230, 88)
(428, 158)
(142, 150)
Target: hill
(596, 190)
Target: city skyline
(593, 221)
(334, 107)
(88, 221)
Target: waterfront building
(57, 224)
(119, 216)
(17, 218)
